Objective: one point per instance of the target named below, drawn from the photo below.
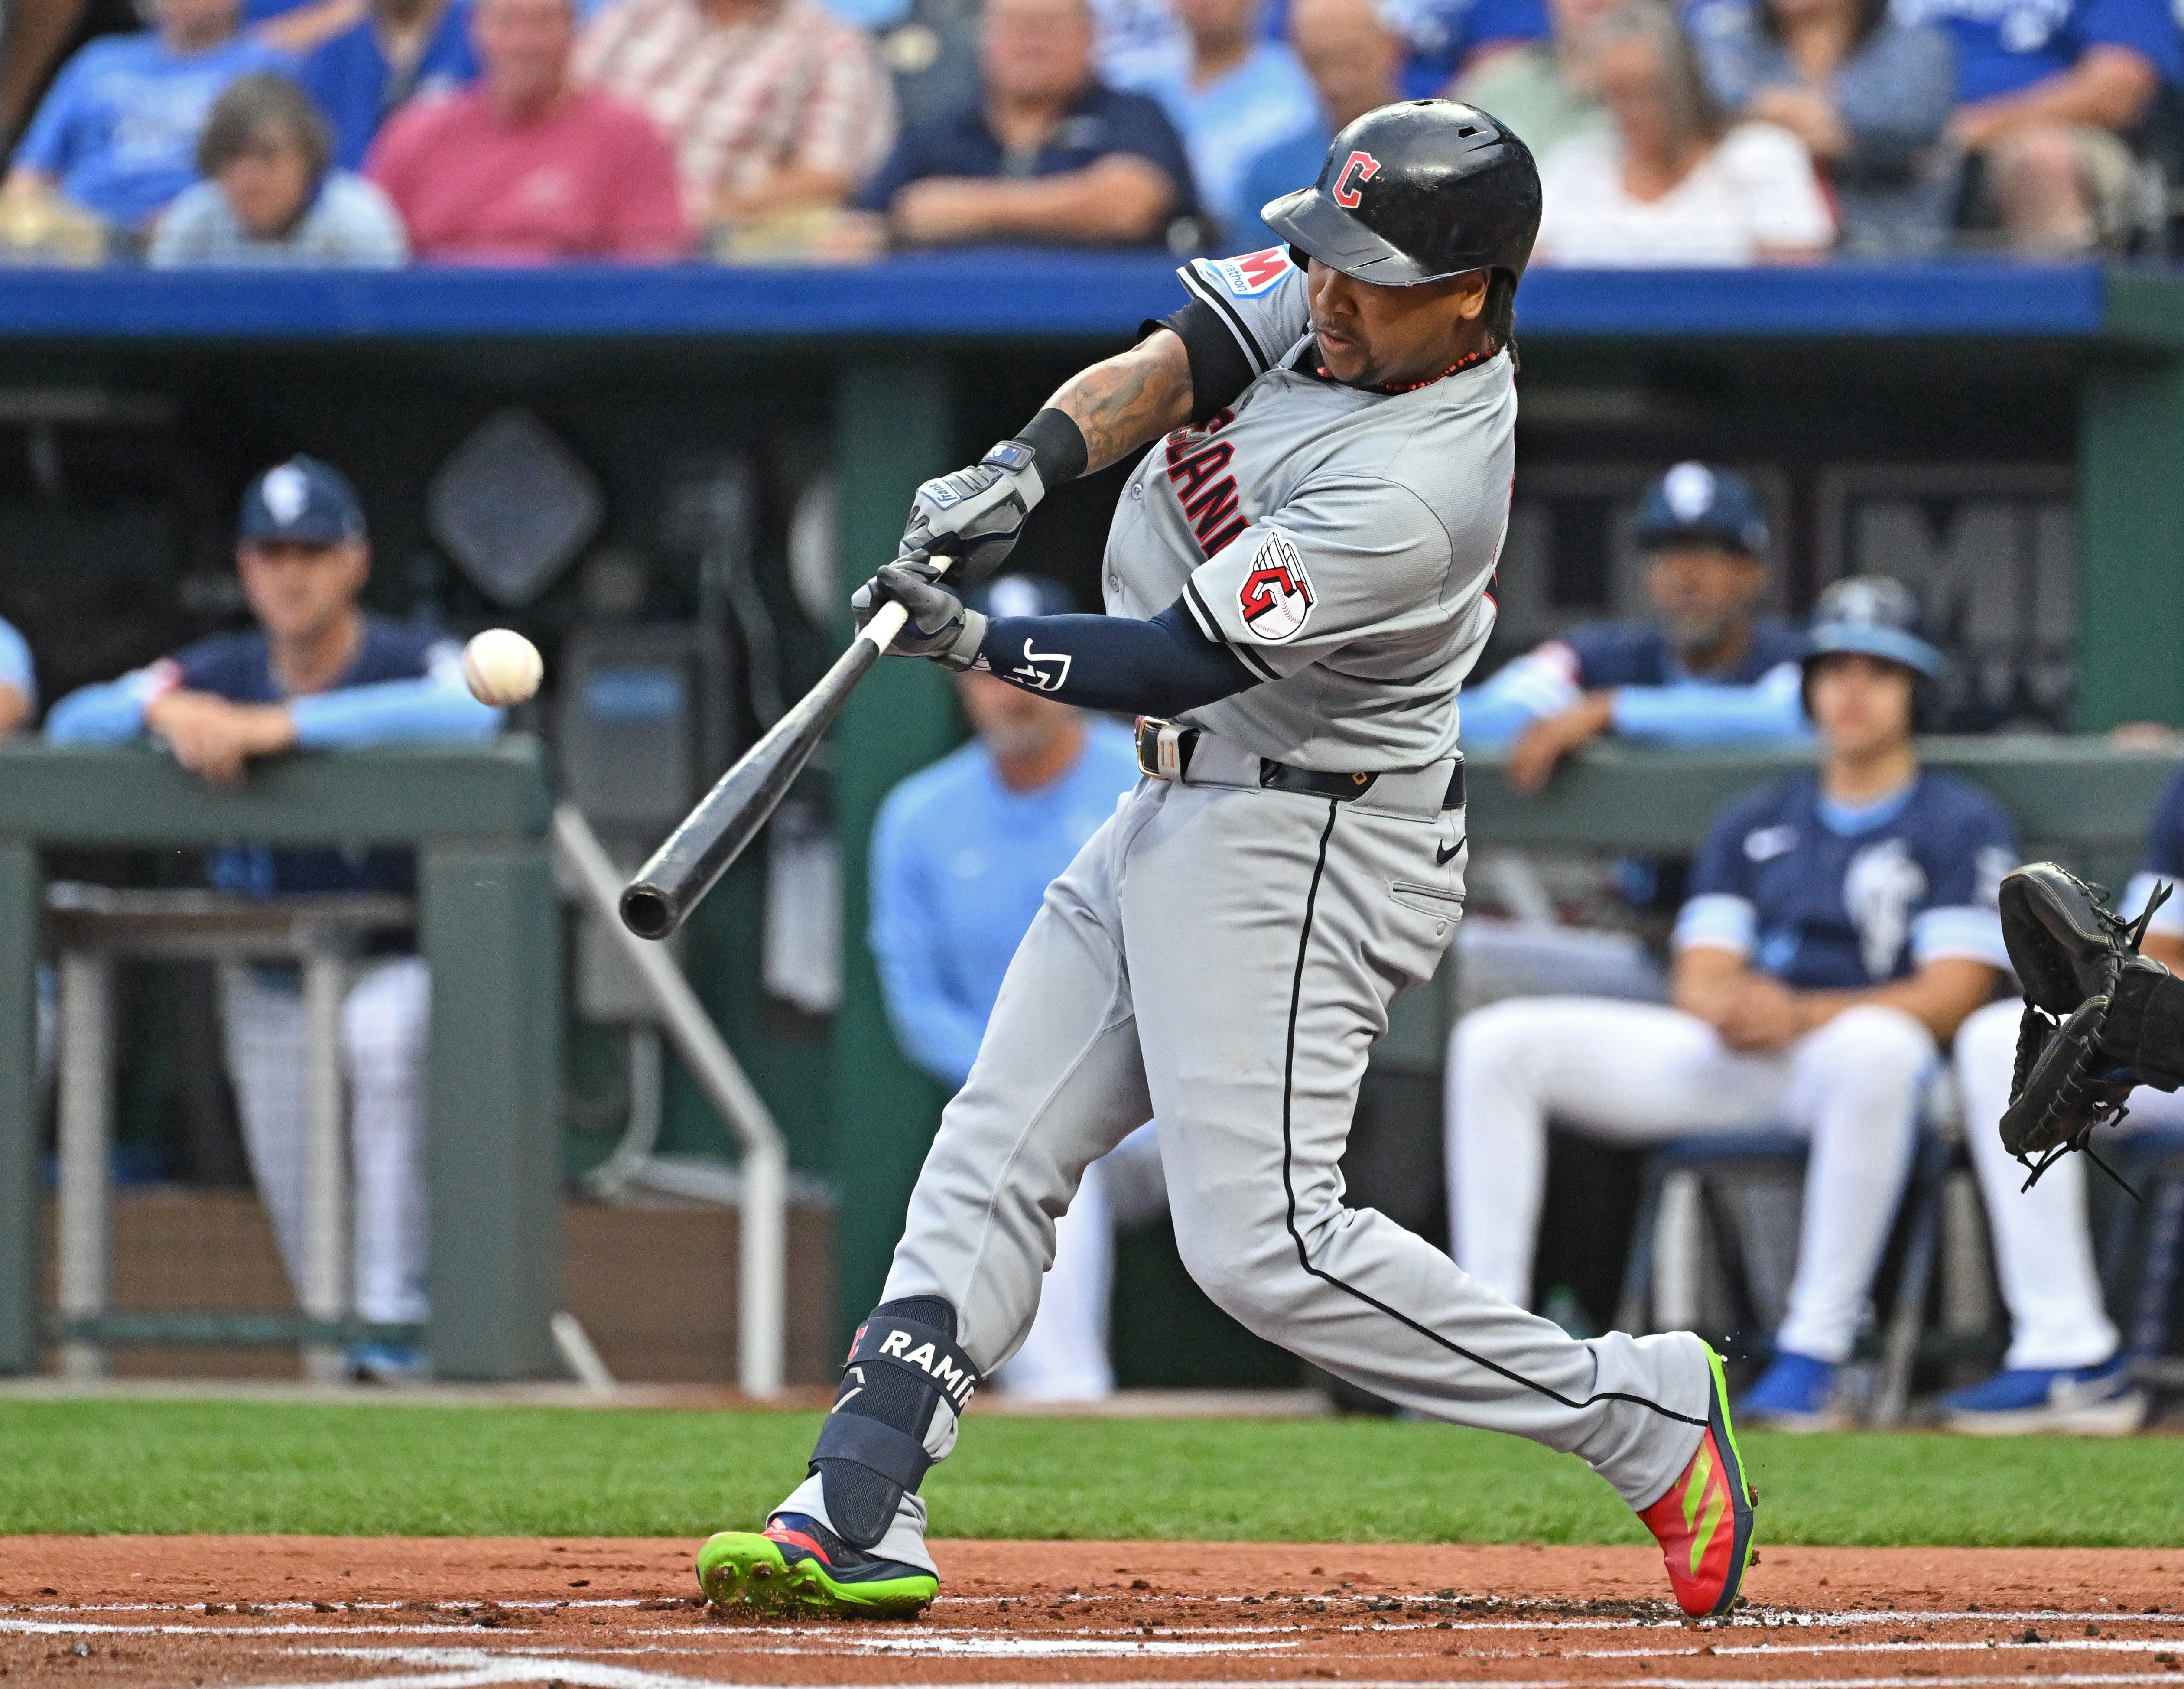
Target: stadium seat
(1714, 1160)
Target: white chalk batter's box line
(474, 1668)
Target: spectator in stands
(1843, 921)
(1708, 670)
(316, 673)
(1241, 94)
(1540, 89)
(270, 196)
(2047, 91)
(1868, 95)
(1051, 153)
(1446, 40)
(525, 167)
(2065, 1368)
(1353, 58)
(400, 51)
(961, 855)
(1673, 181)
(773, 106)
(19, 681)
(117, 134)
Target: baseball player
(2063, 1370)
(315, 673)
(1841, 923)
(963, 853)
(1708, 670)
(1296, 582)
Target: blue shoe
(2086, 1401)
(386, 1364)
(1797, 1393)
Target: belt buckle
(1164, 748)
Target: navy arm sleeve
(1162, 667)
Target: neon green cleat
(797, 1564)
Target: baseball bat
(713, 835)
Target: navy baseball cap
(1694, 504)
(1022, 595)
(303, 501)
(1872, 615)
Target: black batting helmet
(1416, 192)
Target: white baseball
(502, 667)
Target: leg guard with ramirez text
(893, 1416)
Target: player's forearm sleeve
(435, 707)
(1165, 666)
(1695, 712)
(104, 714)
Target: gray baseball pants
(1222, 957)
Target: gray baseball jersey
(1340, 541)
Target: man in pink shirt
(524, 167)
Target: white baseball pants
(384, 1022)
(2044, 1251)
(1642, 1073)
(1224, 957)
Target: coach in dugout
(1842, 923)
(316, 673)
(1708, 668)
(962, 856)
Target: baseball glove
(2100, 1019)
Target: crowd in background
(374, 133)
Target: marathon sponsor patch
(1276, 596)
(1252, 273)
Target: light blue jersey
(15, 670)
(960, 865)
(1228, 124)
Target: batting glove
(976, 514)
(939, 627)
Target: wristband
(1059, 453)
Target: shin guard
(902, 1388)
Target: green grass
(168, 1466)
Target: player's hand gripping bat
(713, 835)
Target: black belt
(1165, 748)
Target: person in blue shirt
(1841, 923)
(1047, 153)
(1352, 58)
(400, 51)
(962, 856)
(2064, 1369)
(1241, 94)
(117, 134)
(2049, 91)
(1708, 670)
(19, 680)
(316, 673)
(1451, 38)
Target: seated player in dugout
(2065, 1368)
(1708, 668)
(317, 673)
(1841, 924)
(1296, 579)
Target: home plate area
(193, 1612)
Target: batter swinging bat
(698, 853)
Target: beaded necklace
(1463, 363)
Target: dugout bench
(488, 922)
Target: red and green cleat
(796, 1564)
(1704, 1522)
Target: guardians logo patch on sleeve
(1276, 596)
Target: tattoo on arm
(1138, 396)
